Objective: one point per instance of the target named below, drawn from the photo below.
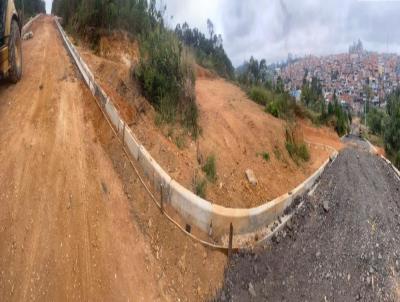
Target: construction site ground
(235, 130)
(75, 222)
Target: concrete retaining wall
(391, 165)
(29, 23)
(373, 150)
(210, 218)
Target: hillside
(234, 129)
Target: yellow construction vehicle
(10, 42)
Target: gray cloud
(273, 28)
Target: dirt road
(75, 223)
(343, 244)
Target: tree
(30, 8)
(209, 51)
(392, 126)
(376, 120)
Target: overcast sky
(48, 5)
(271, 29)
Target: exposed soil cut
(234, 129)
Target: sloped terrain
(342, 245)
(234, 129)
(76, 224)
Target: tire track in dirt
(58, 238)
(75, 222)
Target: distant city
(356, 76)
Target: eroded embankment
(234, 129)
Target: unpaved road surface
(75, 222)
(62, 205)
(342, 245)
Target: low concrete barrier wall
(29, 23)
(391, 165)
(373, 150)
(212, 219)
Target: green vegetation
(30, 8)
(166, 75)
(200, 187)
(209, 51)
(391, 131)
(384, 126)
(260, 95)
(255, 79)
(165, 71)
(376, 120)
(333, 114)
(266, 156)
(298, 151)
(210, 168)
(88, 16)
(180, 141)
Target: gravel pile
(343, 244)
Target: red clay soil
(75, 222)
(234, 129)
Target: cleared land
(75, 223)
(341, 246)
(234, 129)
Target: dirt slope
(75, 223)
(236, 130)
(341, 246)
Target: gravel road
(342, 245)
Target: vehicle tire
(15, 53)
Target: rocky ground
(342, 244)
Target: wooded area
(30, 8)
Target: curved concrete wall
(210, 218)
(29, 23)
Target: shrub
(166, 75)
(259, 95)
(200, 186)
(266, 156)
(296, 148)
(397, 160)
(210, 168)
(180, 141)
(273, 109)
(375, 120)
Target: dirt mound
(120, 47)
(340, 245)
(202, 73)
(234, 129)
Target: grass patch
(200, 187)
(166, 75)
(277, 153)
(210, 168)
(265, 155)
(180, 141)
(297, 152)
(296, 148)
(259, 95)
(376, 140)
